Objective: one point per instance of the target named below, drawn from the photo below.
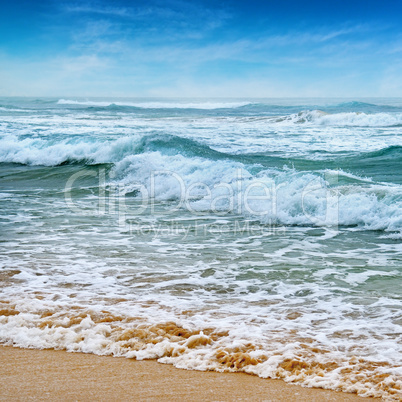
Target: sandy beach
(57, 375)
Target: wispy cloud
(165, 15)
(96, 8)
(295, 48)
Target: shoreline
(58, 375)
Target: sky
(205, 48)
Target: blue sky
(201, 48)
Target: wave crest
(357, 119)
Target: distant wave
(355, 104)
(357, 119)
(365, 105)
(11, 109)
(157, 105)
(393, 151)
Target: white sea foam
(189, 344)
(237, 135)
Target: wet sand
(28, 374)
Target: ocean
(253, 235)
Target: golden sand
(129, 334)
(28, 374)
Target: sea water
(254, 235)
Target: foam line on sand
(29, 374)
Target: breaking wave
(358, 119)
(279, 195)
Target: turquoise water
(233, 235)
